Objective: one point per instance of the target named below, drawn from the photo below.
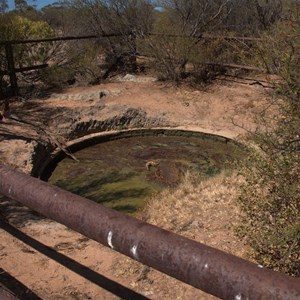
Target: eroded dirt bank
(57, 268)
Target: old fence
(12, 71)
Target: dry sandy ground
(54, 262)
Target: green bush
(270, 195)
(79, 64)
(270, 201)
(21, 28)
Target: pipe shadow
(7, 136)
(16, 288)
(98, 279)
(15, 213)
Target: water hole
(121, 172)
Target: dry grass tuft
(204, 210)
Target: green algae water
(122, 173)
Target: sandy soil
(50, 261)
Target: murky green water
(116, 173)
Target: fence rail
(211, 37)
(69, 38)
(203, 267)
(11, 70)
(59, 38)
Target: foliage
(15, 27)
(126, 19)
(271, 192)
(79, 65)
(56, 15)
(249, 17)
(21, 4)
(270, 200)
(177, 38)
(183, 29)
(3, 6)
(19, 28)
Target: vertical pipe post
(11, 68)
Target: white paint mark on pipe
(133, 251)
(238, 297)
(109, 240)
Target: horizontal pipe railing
(59, 38)
(83, 37)
(211, 270)
(233, 66)
(25, 69)
(8, 44)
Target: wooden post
(11, 69)
(132, 52)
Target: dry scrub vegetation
(204, 210)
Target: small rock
(78, 97)
(103, 94)
(54, 95)
(90, 96)
(64, 97)
(197, 224)
(129, 77)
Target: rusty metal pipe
(203, 267)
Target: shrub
(77, 62)
(21, 28)
(271, 191)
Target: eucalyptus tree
(249, 17)
(21, 5)
(59, 16)
(267, 12)
(3, 6)
(196, 16)
(124, 20)
(179, 30)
